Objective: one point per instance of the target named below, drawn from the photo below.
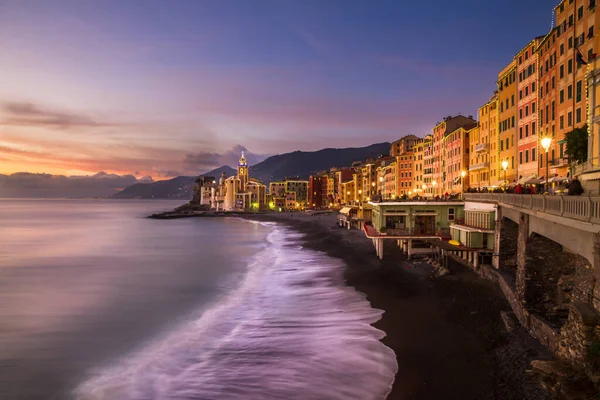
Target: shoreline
(447, 333)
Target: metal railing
(581, 208)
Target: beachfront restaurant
(348, 216)
(428, 218)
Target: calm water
(98, 302)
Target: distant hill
(181, 187)
(306, 163)
(30, 185)
(298, 163)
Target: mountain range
(299, 164)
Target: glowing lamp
(505, 164)
(546, 142)
(463, 173)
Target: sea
(98, 302)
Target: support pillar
(476, 260)
(596, 268)
(522, 239)
(409, 249)
(380, 247)
(497, 236)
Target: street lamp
(504, 167)
(433, 185)
(546, 142)
(462, 179)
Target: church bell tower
(243, 173)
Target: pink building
(527, 105)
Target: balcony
(481, 147)
(477, 167)
(559, 162)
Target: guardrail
(581, 208)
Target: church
(236, 193)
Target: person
(531, 189)
(575, 188)
(519, 189)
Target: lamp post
(504, 167)
(546, 142)
(462, 180)
(360, 195)
(433, 184)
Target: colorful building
(440, 131)
(507, 122)
(527, 106)
(456, 160)
(403, 145)
(417, 166)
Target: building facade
(507, 122)
(456, 161)
(527, 106)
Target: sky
(179, 87)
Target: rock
(553, 367)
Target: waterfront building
(403, 150)
(404, 145)
(317, 191)
(440, 131)
(589, 172)
(417, 166)
(563, 54)
(527, 106)
(282, 189)
(507, 122)
(347, 192)
(418, 218)
(455, 147)
(428, 162)
(368, 176)
(484, 148)
(240, 192)
(386, 177)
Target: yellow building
(417, 166)
(507, 122)
(484, 154)
(281, 190)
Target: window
(532, 87)
(570, 118)
(561, 124)
(526, 156)
(526, 130)
(521, 132)
(561, 97)
(501, 145)
(512, 100)
(533, 128)
(507, 144)
(526, 90)
(580, 13)
(571, 42)
(570, 66)
(578, 92)
(570, 92)
(533, 154)
(553, 82)
(520, 94)
(561, 73)
(520, 157)
(512, 164)
(533, 107)
(450, 214)
(562, 49)
(521, 113)
(526, 111)
(578, 115)
(553, 109)
(591, 32)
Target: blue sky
(144, 87)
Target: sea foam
(291, 330)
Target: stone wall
(578, 333)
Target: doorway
(425, 224)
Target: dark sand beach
(447, 333)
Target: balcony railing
(582, 208)
(481, 165)
(481, 147)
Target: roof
(345, 210)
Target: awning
(524, 180)
(590, 176)
(557, 179)
(425, 213)
(345, 210)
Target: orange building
(456, 160)
(507, 121)
(403, 145)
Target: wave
(291, 330)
